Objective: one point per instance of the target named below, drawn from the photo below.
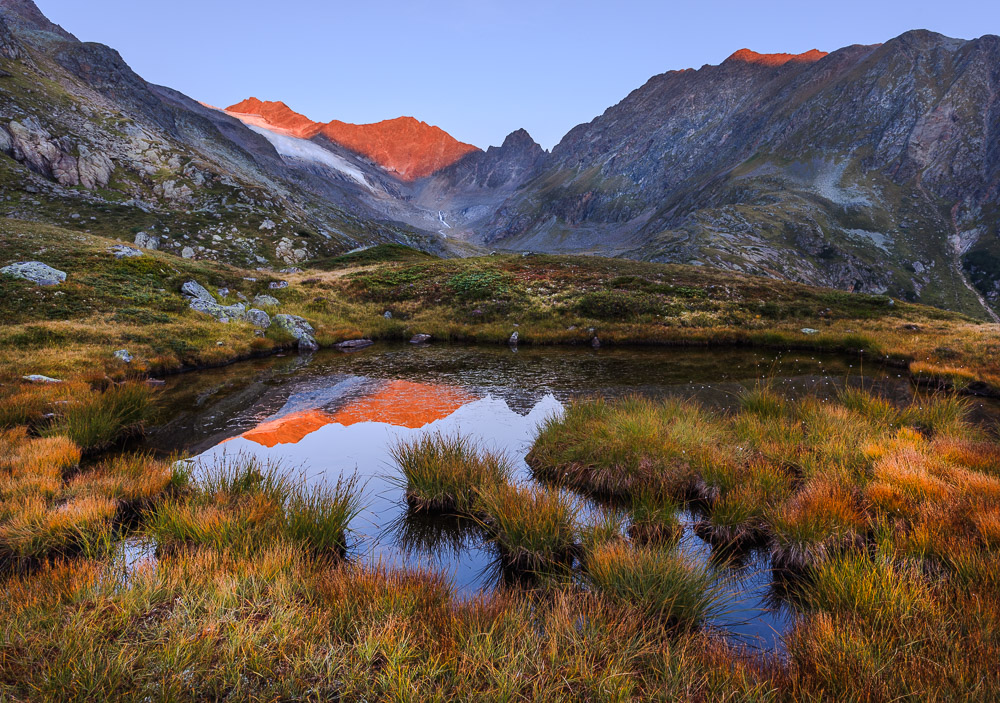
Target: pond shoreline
(977, 388)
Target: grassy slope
(107, 304)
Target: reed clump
(534, 528)
(448, 474)
(51, 509)
(98, 419)
(661, 584)
(241, 505)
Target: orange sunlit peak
(773, 60)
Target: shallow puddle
(332, 414)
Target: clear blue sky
(478, 68)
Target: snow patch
(293, 147)
(305, 150)
(882, 241)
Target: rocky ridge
(404, 146)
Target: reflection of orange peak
(406, 146)
(288, 429)
(405, 404)
(748, 56)
(399, 403)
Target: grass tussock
(101, 418)
(448, 474)
(654, 519)
(243, 505)
(50, 508)
(534, 528)
(617, 450)
(661, 584)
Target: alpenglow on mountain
(869, 168)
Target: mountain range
(869, 168)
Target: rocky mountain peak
(278, 115)
(774, 60)
(26, 15)
(404, 146)
(521, 140)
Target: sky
(478, 69)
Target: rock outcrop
(66, 163)
(201, 300)
(301, 330)
(36, 272)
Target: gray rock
(147, 241)
(193, 289)
(809, 330)
(123, 355)
(298, 328)
(513, 339)
(36, 272)
(258, 318)
(277, 285)
(123, 252)
(187, 253)
(354, 344)
(265, 301)
(420, 339)
(387, 315)
(223, 292)
(222, 313)
(38, 378)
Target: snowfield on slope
(305, 150)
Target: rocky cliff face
(872, 168)
(405, 147)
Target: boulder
(38, 378)
(187, 253)
(193, 289)
(353, 344)
(387, 315)
(420, 339)
(36, 272)
(277, 285)
(258, 318)
(264, 301)
(123, 355)
(147, 241)
(809, 330)
(94, 169)
(298, 328)
(124, 252)
(289, 253)
(222, 313)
